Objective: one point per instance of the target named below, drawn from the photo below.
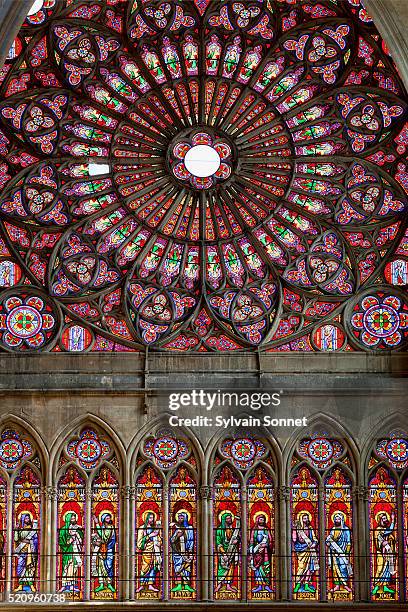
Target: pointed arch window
(88, 516)
(243, 525)
(388, 518)
(21, 512)
(321, 521)
(166, 515)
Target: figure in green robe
(227, 545)
(71, 540)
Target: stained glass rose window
(202, 176)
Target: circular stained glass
(28, 320)
(243, 450)
(11, 450)
(88, 450)
(165, 449)
(24, 321)
(205, 175)
(381, 320)
(320, 450)
(397, 450)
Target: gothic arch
(80, 422)
(322, 476)
(13, 419)
(165, 514)
(386, 462)
(393, 421)
(162, 422)
(23, 508)
(323, 422)
(273, 443)
(88, 476)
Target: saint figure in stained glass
(383, 536)
(182, 548)
(339, 541)
(260, 553)
(149, 539)
(339, 545)
(149, 544)
(227, 537)
(71, 541)
(26, 531)
(71, 532)
(305, 542)
(104, 540)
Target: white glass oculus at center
(202, 161)
(35, 7)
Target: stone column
(283, 547)
(166, 544)
(322, 544)
(49, 560)
(126, 577)
(362, 550)
(204, 559)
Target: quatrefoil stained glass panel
(205, 176)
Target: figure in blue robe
(26, 551)
(339, 546)
(182, 547)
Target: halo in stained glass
(107, 113)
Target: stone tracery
(304, 215)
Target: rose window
(205, 176)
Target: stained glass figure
(183, 535)
(338, 513)
(166, 519)
(261, 535)
(104, 536)
(388, 515)
(26, 531)
(227, 534)
(149, 535)
(71, 566)
(88, 518)
(383, 516)
(305, 527)
(118, 234)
